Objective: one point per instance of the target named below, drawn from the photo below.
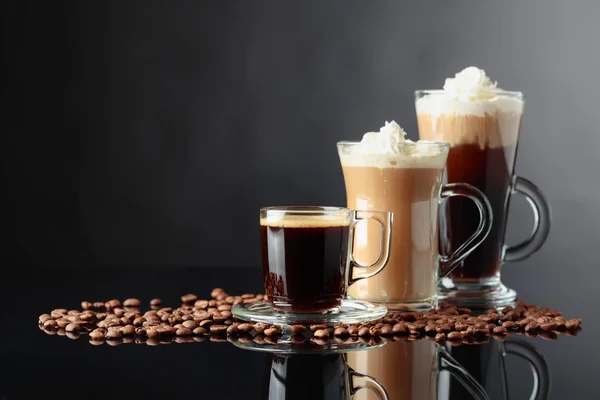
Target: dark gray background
(150, 133)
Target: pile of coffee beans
(195, 320)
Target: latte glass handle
(542, 216)
(361, 381)
(539, 367)
(449, 364)
(447, 264)
(385, 220)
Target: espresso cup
(307, 255)
(410, 187)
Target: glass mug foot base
(406, 306)
(483, 293)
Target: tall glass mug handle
(449, 364)
(539, 367)
(361, 381)
(385, 220)
(542, 216)
(448, 263)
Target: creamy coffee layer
(470, 110)
(302, 221)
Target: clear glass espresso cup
(412, 189)
(307, 255)
(483, 135)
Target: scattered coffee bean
(509, 325)
(499, 330)
(96, 334)
(113, 334)
(317, 327)
(218, 329)
(573, 324)
(297, 329)
(189, 298)
(73, 327)
(183, 332)
(364, 331)
(131, 303)
(321, 333)
(260, 327)
(440, 337)
(454, 335)
(153, 333)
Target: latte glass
(483, 135)
(412, 189)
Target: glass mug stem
(542, 216)
(385, 220)
(449, 263)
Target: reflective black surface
(39, 365)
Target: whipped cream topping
(471, 91)
(470, 84)
(390, 148)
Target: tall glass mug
(483, 135)
(411, 188)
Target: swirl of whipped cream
(470, 84)
(387, 140)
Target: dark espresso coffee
(304, 263)
(493, 178)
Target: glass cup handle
(361, 381)
(449, 364)
(541, 371)
(542, 215)
(447, 264)
(385, 220)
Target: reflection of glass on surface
(408, 370)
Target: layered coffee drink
(481, 123)
(385, 171)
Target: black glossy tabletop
(39, 365)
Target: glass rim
(345, 143)
(305, 210)
(510, 93)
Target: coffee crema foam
(471, 109)
(304, 221)
(389, 148)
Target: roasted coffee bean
(272, 331)
(98, 305)
(454, 335)
(408, 317)
(96, 334)
(58, 313)
(549, 326)
(153, 333)
(112, 304)
(224, 307)
(440, 337)
(531, 326)
(297, 329)
(491, 327)
(260, 327)
(341, 332)
(375, 331)
(364, 331)
(573, 323)
(100, 316)
(387, 330)
(431, 328)
(73, 327)
(353, 330)
(155, 303)
(189, 298)
(461, 326)
(201, 304)
(44, 317)
(233, 329)
(183, 332)
(190, 324)
(509, 325)
(139, 321)
(245, 327)
(127, 330)
(218, 329)
(50, 324)
(464, 311)
(113, 334)
(206, 323)
(131, 303)
(499, 330)
(321, 333)
(443, 329)
(199, 331)
(400, 329)
(219, 317)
